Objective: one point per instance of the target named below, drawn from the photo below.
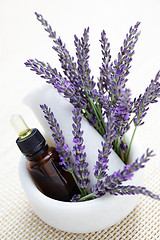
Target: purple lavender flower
(120, 67)
(123, 146)
(78, 150)
(76, 197)
(55, 78)
(113, 75)
(132, 190)
(105, 105)
(103, 155)
(104, 80)
(116, 179)
(62, 148)
(67, 62)
(82, 50)
(98, 190)
(141, 105)
(122, 112)
(46, 25)
(101, 167)
(85, 80)
(42, 69)
(113, 78)
(113, 183)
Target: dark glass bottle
(50, 178)
(43, 165)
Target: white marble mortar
(82, 217)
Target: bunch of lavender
(112, 184)
(109, 96)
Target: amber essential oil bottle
(43, 163)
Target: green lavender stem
(132, 120)
(91, 195)
(130, 144)
(99, 121)
(75, 179)
(101, 130)
(118, 145)
(101, 118)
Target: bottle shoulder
(49, 155)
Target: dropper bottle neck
(30, 141)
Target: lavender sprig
(113, 79)
(79, 153)
(132, 190)
(122, 112)
(120, 67)
(141, 105)
(42, 69)
(104, 80)
(86, 81)
(82, 50)
(62, 148)
(98, 190)
(101, 167)
(103, 155)
(113, 183)
(126, 52)
(47, 27)
(127, 173)
(55, 78)
(113, 75)
(67, 62)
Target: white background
(22, 37)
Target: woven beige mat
(17, 220)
